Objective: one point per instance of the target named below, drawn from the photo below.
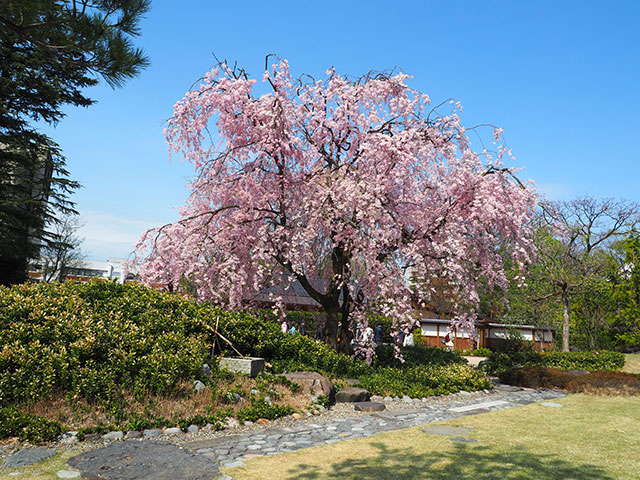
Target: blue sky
(561, 78)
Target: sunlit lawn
(590, 438)
(632, 363)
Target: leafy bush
(415, 356)
(423, 381)
(600, 360)
(261, 409)
(602, 382)
(95, 340)
(477, 352)
(27, 427)
(216, 419)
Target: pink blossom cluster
(351, 187)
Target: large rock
(352, 394)
(312, 382)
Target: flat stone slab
(552, 404)
(67, 474)
(578, 372)
(369, 406)
(28, 456)
(447, 430)
(463, 439)
(476, 406)
(144, 460)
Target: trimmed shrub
(95, 340)
(424, 381)
(415, 356)
(476, 352)
(599, 360)
(99, 339)
(259, 338)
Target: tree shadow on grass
(464, 461)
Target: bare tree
(63, 253)
(571, 240)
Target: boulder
(313, 381)
(352, 394)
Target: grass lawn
(591, 438)
(632, 363)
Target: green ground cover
(591, 438)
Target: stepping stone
(578, 372)
(369, 406)
(476, 406)
(552, 404)
(28, 456)
(463, 439)
(447, 430)
(67, 474)
(143, 459)
(233, 464)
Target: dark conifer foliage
(50, 52)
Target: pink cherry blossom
(351, 187)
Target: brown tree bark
(565, 319)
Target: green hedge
(99, 340)
(415, 356)
(95, 340)
(424, 381)
(592, 361)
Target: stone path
(130, 459)
(233, 450)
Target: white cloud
(106, 235)
(555, 191)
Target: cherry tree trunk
(565, 320)
(345, 337)
(331, 328)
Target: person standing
(408, 338)
(367, 335)
(448, 342)
(377, 334)
(284, 327)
